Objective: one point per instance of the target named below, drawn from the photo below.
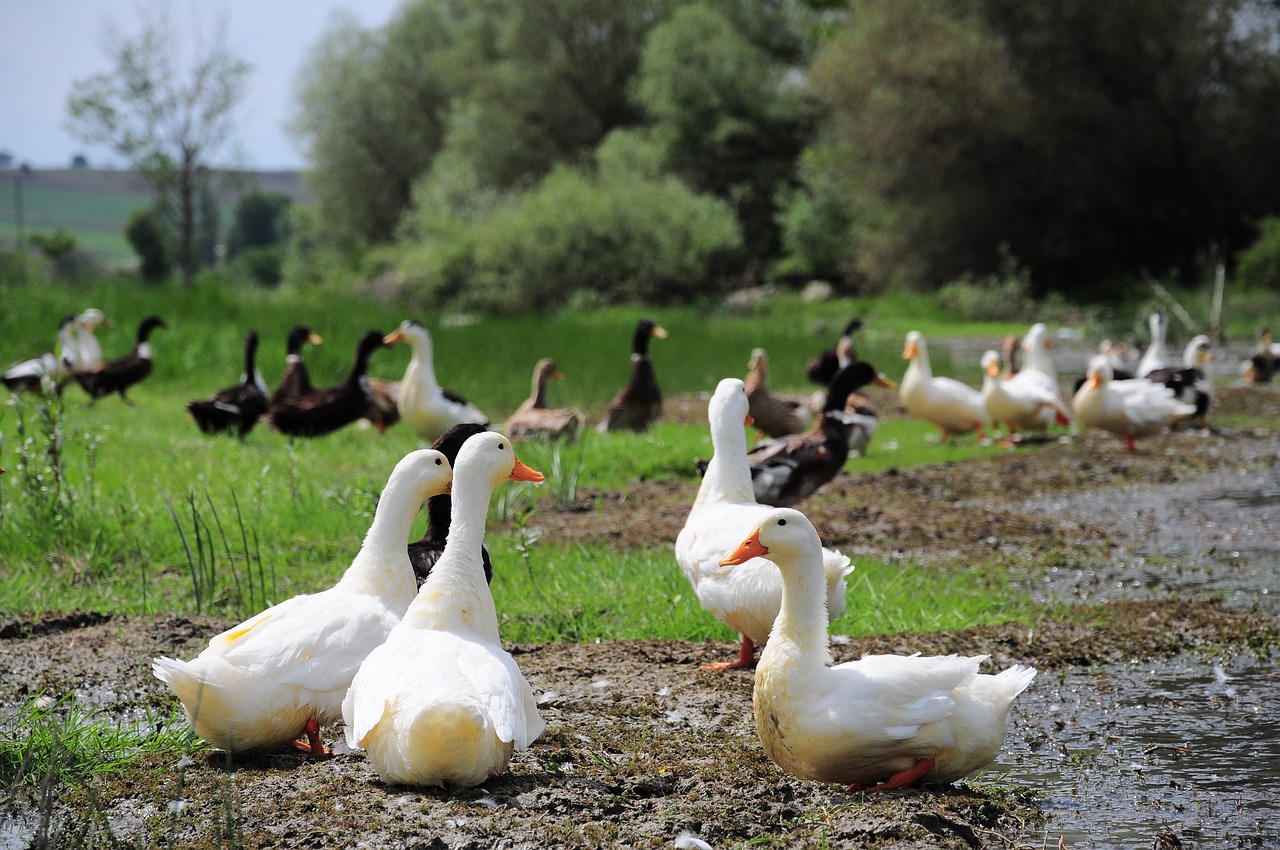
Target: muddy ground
(643, 748)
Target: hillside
(94, 204)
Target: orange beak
(747, 549)
(750, 420)
(524, 473)
(882, 381)
(557, 376)
(1094, 382)
(994, 370)
(909, 352)
(392, 338)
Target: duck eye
(782, 522)
(439, 462)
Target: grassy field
(104, 502)
(95, 204)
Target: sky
(50, 44)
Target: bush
(1259, 264)
(260, 220)
(264, 265)
(151, 235)
(1004, 295)
(621, 236)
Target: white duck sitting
(441, 702)
(953, 407)
(747, 598)
(424, 406)
(1130, 409)
(1193, 383)
(284, 673)
(883, 721)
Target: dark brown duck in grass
(775, 415)
(324, 411)
(237, 407)
(296, 380)
(424, 553)
(823, 368)
(639, 403)
(786, 470)
(116, 376)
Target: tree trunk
(187, 226)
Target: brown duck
(639, 403)
(324, 411)
(534, 419)
(424, 553)
(775, 415)
(239, 406)
(296, 380)
(116, 376)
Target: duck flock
(405, 648)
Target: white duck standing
(1029, 399)
(747, 598)
(1130, 409)
(88, 351)
(424, 406)
(441, 702)
(284, 673)
(1157, 354)
(953, 407)
(883, 721)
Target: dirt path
(642, 746)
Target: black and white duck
(239, 406)
(117, 376)
(639, 404)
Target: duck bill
(882, 381)
(994, 370)
(1094, 382)
(909, 352)
(747, 549)
(659, 331)
(392, 338)
(524, 473)
(750, 420)
(315, 339)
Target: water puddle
(1183, 753)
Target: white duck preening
(883, 721)
(29, 374)
(1132, 408)
(441, 702)
(284, 673)
(88, 351)
(424, 406)
(954, 407)
(1157, 354)
(1018, 402)
(746, 598)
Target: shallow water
(1187, 749)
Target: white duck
(88, 351)
(28, 374)
(284, 672)
(1157, 354)
(424, 406)
(1131, 408)
(883, 721)
(1027, 400)
(441, 702)
(747, 598)
(955, 408)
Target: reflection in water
(1188, 749)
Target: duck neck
(455, 595)
(383, 561)
(801, 628)
(539, 397)
(421, 368)
(728, 476)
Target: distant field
(95, 204)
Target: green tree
(260, 221)
(1092, 138)
(151, 235)
(730, 107)
(169, 117)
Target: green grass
(113, 507)
(96, 216)
(64, 743)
